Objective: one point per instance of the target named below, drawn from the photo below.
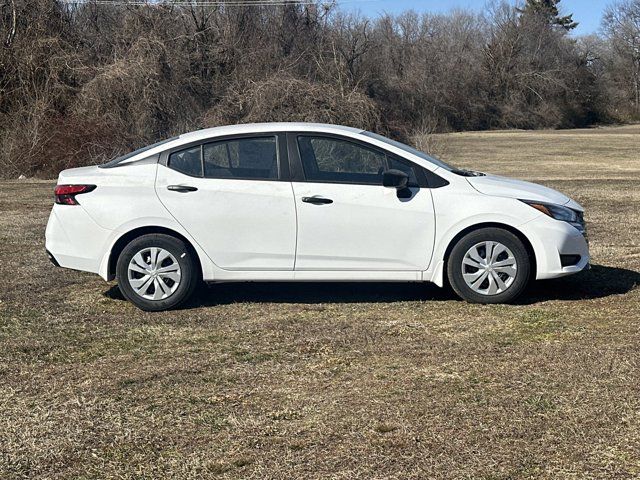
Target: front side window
(410, 150)
(326, 159)
(406, 168)
(187, 161)
(248, 158)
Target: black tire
(188, 279)
(517, 283)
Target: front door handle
(181, 188)
(316, 200)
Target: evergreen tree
(549, 10)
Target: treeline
(80, 83)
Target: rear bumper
(552, 239)
(52, 259)
(73, 240)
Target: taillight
(66, 194)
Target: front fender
(457, 212)
(437, 273)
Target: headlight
(564, 214)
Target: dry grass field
(335, 380)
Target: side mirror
(395, 179)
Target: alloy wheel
(489, 268)
(154, 273)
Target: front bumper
(551, 239)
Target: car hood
(509, 187)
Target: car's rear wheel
(489, 265)
(156, 272)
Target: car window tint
(187, 161)
(253, 158)
(406, 168)
(335, 160)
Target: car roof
(265, 128)
(214, 132)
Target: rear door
(346, 219)
(234, 197)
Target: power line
(210, 3)
(189, 3)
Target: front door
(347, 220)
(228, 195)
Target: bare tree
(82, 82)
(621, 25)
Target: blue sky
(587, 12)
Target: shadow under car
(598, 282)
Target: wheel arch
(127, 237)
(471, 228)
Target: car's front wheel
(156, 272)
(489, 265)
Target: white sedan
(306, 202)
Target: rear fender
(158, 225)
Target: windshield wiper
(467, 173)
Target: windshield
(117, 161)
(411, 150)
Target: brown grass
(334, 380)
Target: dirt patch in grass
(335, 380)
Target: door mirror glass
(395, 179)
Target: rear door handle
(181, 188)
(316, 200)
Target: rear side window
(326, 159)
(248, 158)
(187, 161)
